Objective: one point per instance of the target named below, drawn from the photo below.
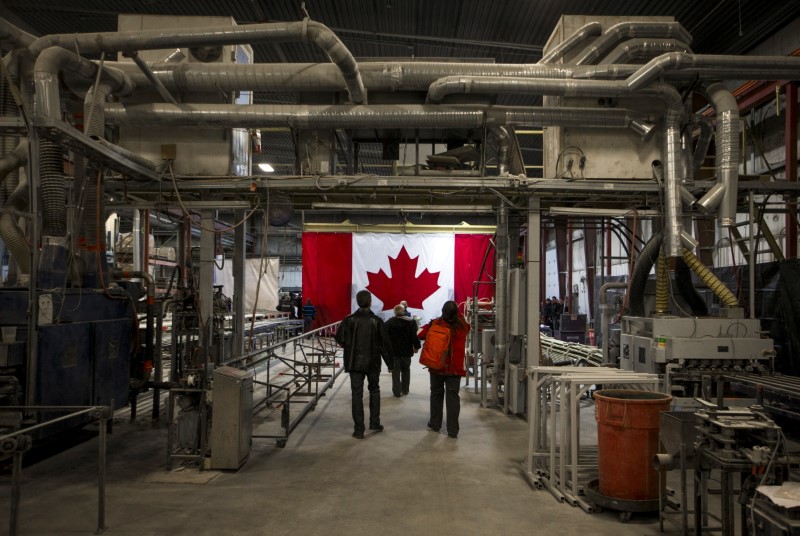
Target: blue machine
(85, 344)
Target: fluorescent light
(407, 208)
(266, 168)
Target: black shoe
(454, 436)
(431, 427)
(405, 393)
(358, 435)
(376, 427)
(397, 396)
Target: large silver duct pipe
(627, 30)
(726, 142)
(302, 31)
(377, 76)
(503, 148)
(592, 29)
(375, 116)
(13, 36)
(637, 49)
(673, 151)
(739, 67)
(418, 76)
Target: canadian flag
(425, 270)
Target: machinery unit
(650, 344)
(775, 510)
(571, 328)
(83, 351)
(231, 418)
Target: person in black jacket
(402, 331)
(364, 339)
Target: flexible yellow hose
(719, 289)
(662, 285)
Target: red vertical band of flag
(327, 259)
(470, 251)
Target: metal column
(239, 255)
(205, 288)
(791, 167)
(534, 264)
(501, 295)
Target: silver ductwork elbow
(626, 30)
(592, 29)
(645, 130)
(638, 49)
(711, 199)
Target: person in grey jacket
(364, 339)
(402, 331)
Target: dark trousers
(401, 375)
(357, 388)
(444, 390)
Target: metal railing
(308, 369)
(19, 442)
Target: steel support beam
(534, 298)
(791, 168)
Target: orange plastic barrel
(627, 439)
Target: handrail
(18, 442)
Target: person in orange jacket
(446, 383)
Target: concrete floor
(405, 480)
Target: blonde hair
(399, 310)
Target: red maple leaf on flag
(403, 284)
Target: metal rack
(556, 461)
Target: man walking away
(402, 331)
(364, 339)
(309, 312)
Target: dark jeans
(401, 375)
(444, 389)
(357, 387)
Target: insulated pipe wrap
(726, 297)
(53, 191)
(662, 285)
(112, 42)
(586, 31)
(627, 30)
(727, 149)
(93, 215)
(637, 49)
(673, 211)
(641, 270)
(349, 116)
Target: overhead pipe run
(626, 30)
(376, 116)
(418, 76)
(279, 32)
(637, 49)
(592, 29)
